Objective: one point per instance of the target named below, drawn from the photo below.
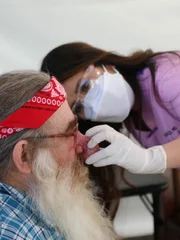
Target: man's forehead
(60, 120)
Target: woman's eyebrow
(76, 92)
(77, 85)
(72, 104)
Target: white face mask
(109, 100)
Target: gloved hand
(124, 152)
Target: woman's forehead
(70, 86)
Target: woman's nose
(81, 146)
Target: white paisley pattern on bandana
(36, 111)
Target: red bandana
(36, 111)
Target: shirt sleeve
(46, 236)
(167, 82)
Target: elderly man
(45, 192)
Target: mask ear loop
(105, 70)
(115, 70)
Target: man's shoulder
(24, 231)
(12, 207)
(16, 224)
(19, 222)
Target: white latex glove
(124, 152)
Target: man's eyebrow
(72, 124)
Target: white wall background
(30, 28)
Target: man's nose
(81, 142)
(82, 148)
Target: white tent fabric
(30, 28)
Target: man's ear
(20, 157)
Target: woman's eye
(78, 109)
(85, 86)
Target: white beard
(64, 197)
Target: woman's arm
(172, 151)
(123, 152)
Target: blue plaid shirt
(17, 219)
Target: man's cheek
(71, 147)
(65, 152)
